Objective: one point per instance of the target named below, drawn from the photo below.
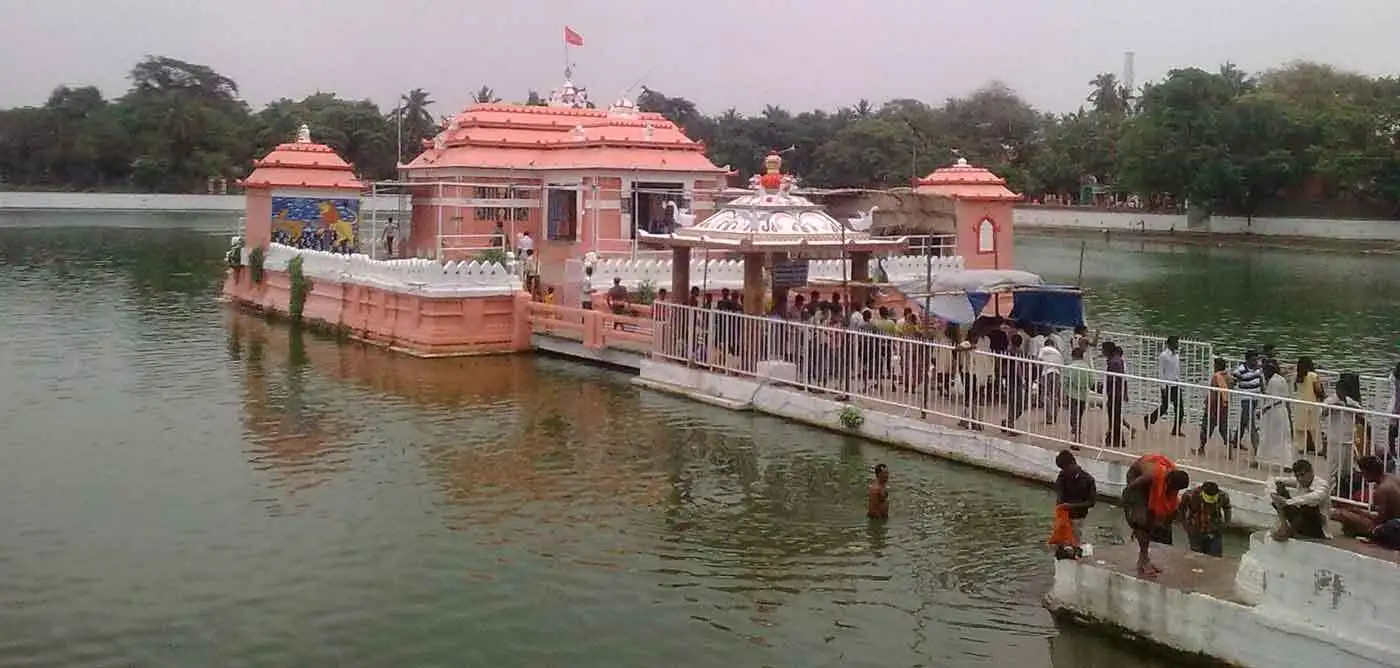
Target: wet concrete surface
(1181, 569)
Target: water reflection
(288, 435)
(751, 527)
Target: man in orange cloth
(1150, 502)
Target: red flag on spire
(572, 38)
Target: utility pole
(1128, 82)
(398, 153)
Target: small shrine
(982, 210)
(304, 195)
(773, 228)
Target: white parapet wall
(724, 273)
(428, 278)
(1297, 604)
(1354, 596)
(1162, 223)
(137, 202)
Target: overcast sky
(720, 53)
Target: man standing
(585, 289)
(391, 232)
(877, 496)
(1169, 370)
(532, 273)
(617, 297)
(1205, 512)
(1150, 500)
(1115, 393)
(1304, 515)
(1079, 377)
(1248, 377)
(1075, 490)
(1217, 413)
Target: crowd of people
(1157, 495)
(1278, 412)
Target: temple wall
(418, 306)
(972, 243)
(466, 215)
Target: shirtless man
(878, 495)
(1150, 502)
(1385, 500)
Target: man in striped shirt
(1248, 377)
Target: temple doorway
(649, 205)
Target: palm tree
(1239, 82)
(1107, 95)
(485, 95)
(415, 122)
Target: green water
(1340, 308)
(185, 486)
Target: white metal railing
(1056, 405)
(467, 246)
(933, 244)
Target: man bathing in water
(878, 495)
(1150, 501)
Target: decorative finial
(962, 162)
(304, 134)
(578, 134)
(772, 178)
(440, 141)
(647, 131)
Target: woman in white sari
(1275, 433)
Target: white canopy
(947, 291)
(970, 280)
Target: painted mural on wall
(316, 223)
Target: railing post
(592, 331)
(524, 324)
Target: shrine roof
(512, 136)
(302, 164)
(964, 181)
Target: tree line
(1303, 138)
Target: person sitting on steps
(1303, 515)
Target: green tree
(485, 95)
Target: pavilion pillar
(860, 273)
(680, 274)
(780, 292)
(753, 283)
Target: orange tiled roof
(302, 165)
(510, 136)
(963, 181)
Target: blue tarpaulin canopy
(959, 296)
(1055, 306)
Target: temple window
(561, 217)
(986, 236)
